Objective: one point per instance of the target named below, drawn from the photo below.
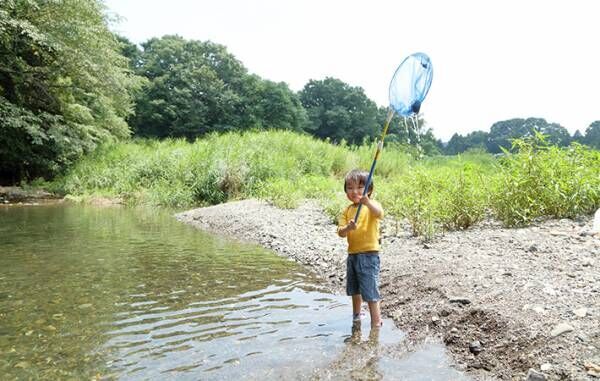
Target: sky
(493, 60)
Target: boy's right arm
(342, 224)
(343, 231)
(345, 226)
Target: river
(132, 294)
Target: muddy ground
(510, 304)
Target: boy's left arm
(373, 206)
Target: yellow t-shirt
(366, 236)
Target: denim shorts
(362, 276)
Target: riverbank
(507, 302)
(15, 195)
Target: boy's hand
(343, 232)
(376, 210)
(351, 225)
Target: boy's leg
(375, 314)
(352, 286)
(356, 303)
(369, 286)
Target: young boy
(362, 277)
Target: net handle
(390, 115)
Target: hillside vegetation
(285, 167)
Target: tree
(502, 133)
(592, 135)
(339, 111)
(198, 87)
(130, 51)
(273, 105)
(456, 145)
(192, 88)
(578, 137)
(64, 87)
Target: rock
(532, 375)
(460, 300)
(549, 290)
(539, 309)
(560, 329)
(551, 285)
(580, 312)
(546, 367)
(475, 347)
(592, 369)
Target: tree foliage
(504, 132)
(64, 86)
(339, 111)
(473, 140)
(198, 87)
(592, 135)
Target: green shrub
(541, 180)
(433, 194)
(463, 199)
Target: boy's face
(354, 191)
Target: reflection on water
(130, 294)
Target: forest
(68, 84)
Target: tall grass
(209, 171)
(542, 180)
(433, 194)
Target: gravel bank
(510, 304)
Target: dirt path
(510, 304)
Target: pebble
(580, 312)
(592, 369)
(549, 290)
(533, 375)
(475, 347)
(460, 300)
(546, 367)
(560, 329)
(556, 283)
(539, 309)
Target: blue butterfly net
(410, 84)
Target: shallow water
(129, 294)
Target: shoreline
(510, 304)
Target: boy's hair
(360, 177)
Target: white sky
(493, 60)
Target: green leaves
(198, 87)
(339, 111)
(542, 180)
(64, 85)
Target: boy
(362, 276)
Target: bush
(541, 180)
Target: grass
(433, 194)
